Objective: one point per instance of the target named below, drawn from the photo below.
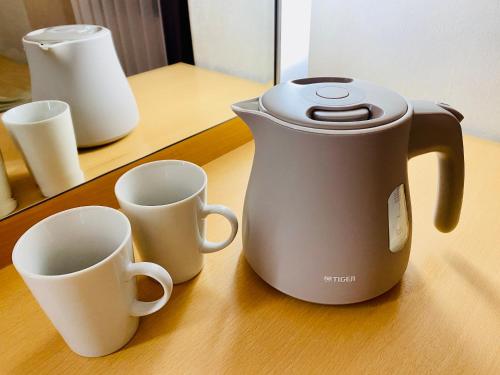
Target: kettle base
(107, 141)
(332, 299)
(335, 303)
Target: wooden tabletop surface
(14, 77)
(175, 102)
(443, 318)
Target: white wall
(447, 50)
(234, 37)
(14, 25)
(294, 37)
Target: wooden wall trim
(200, 149)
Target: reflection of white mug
(79, 265)
(165, 202)
(43, 131)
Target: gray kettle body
(327, 215)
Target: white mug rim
(10, 112)
(165, 162)
(107, 259)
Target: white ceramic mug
(166, 204)
(43, 131)
(79, 265)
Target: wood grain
(175, 102)
(443, 318)
(14, 77)
(200, 148)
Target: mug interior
(35, 112)
(71, 241)
(160, 183)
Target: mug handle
(208, 209)
(140, 308)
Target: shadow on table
(167, 319)
(476, 278)
(365, 337)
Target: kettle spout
(44, 46)
(248, 111)
(246, 105)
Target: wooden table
(14, 77)
(175, 102)
(443, 318)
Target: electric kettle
(78, 64)
(327, 215)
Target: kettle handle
(436, 128)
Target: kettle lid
(64, 33)
(333, 103)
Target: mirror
(185, 62)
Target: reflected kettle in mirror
(327, 215)
(78, 64)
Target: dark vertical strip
(177, 30)
(277, 28)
